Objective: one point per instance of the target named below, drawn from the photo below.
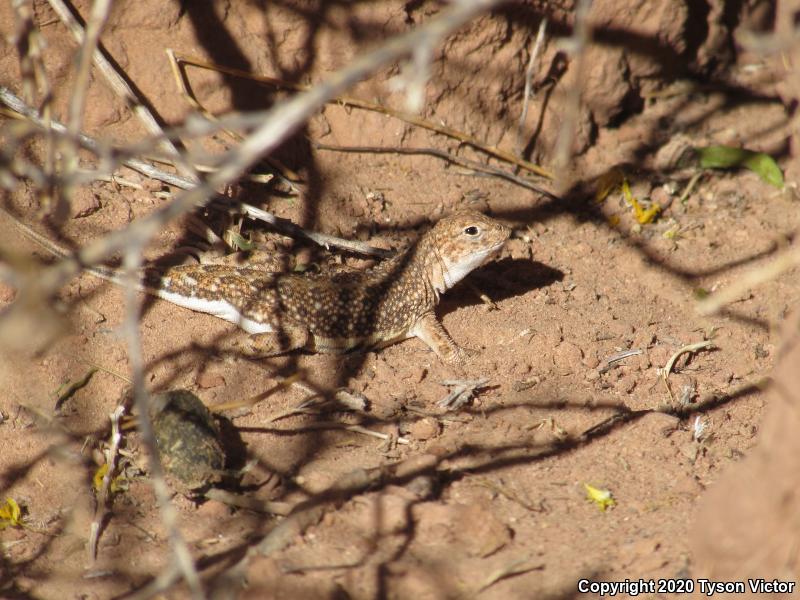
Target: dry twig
(529, 82)
(271, 129)
(29, 48)
(615, 358)
(115, 80)
(458, 160)
(576, 46)
(371, 106)
(89, 45)
(705, 344)
(130, 329)
(103, 497)
(286, 175)
(281, 225)
(278, 124)
(462, 392)
(34, 77)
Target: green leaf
(766, 168)
(726, 157)
(238, 241)
(722, 157)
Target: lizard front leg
(430, 331)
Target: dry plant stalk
(103, 496)
(275, 127)
(537, 46)
(409, 118)
(287, 176)
(283, 226)
(35, 81)
(452, 158)
(690, 348)
(141, 399)
(114, 79)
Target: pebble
(424, 429)
(567, 356)
(206, 380)
(659, 355)
(659, 424)
(7, 293)
(591, 361)
(626, 384)
(83, 205)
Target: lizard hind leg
(286, 338)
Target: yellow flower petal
(602, 498)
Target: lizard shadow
(504, 279)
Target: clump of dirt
(394, 496)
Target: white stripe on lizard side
(218, 308)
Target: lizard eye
(471, 230)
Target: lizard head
(462, 242)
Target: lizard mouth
(493, 252)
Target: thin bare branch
(118, 83)
(90, 42)
(34, 78)
(328, 241)
(130, 329)
(287, 176)
(29, 46)
(232, 121)
(280, 123)
(283, 226)
(529, 72)
(69, 153)
(103, 495)
(464, 162)
(576, 46)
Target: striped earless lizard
(334, 312)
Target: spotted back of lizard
(345, 310)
